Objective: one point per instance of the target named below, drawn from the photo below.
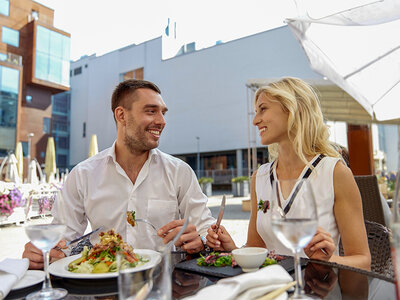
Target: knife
(83, 236)
(221, 213)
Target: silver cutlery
(147, 222)
(78, 239)
(220, 214)
(83, 236)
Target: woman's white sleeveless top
(321, 179)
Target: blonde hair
(306, 129)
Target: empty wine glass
(45, 237)
(294, 221)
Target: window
(28, 99)
(77, 71)
(25, 148)
(9, 90)
(35, 15)
(134, 74)
(5, 7)
(62, 142)
(61, 160)
(10, 36)
(46, 125)
(84, 130)
(52, 56)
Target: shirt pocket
(161, 212)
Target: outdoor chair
(379, 246)
(371, 198)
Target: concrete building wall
(204, 90)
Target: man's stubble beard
(136, 145)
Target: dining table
(323, 280)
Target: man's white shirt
(100, 191)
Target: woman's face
(270, 120)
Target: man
(132, 175)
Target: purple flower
(9, 202)
(45, 204)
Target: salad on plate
(102, 258)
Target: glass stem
(46, 258)
(298, 277)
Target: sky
(101, 26)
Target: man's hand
(189, 241)
(35, 255)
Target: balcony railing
(11, 58)
(222, 176)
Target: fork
(147, 222)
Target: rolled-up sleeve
(192, 202)
(68, 207)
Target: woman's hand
(320, 280)
(220, 240)
(321, 246)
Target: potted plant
(206, 185)
(240, 186)
(11, 205)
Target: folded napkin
(11, 271)
(247, 285)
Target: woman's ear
(119, 115)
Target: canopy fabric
(359, 51)
(50, 167)
(336, 104)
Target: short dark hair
(129, 87)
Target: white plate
(31, 277)
(60, 267)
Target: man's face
(144, 121)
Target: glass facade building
(10, 36)
(60, 128)
(52, 56)
(9, 89)
(5, 7)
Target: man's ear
(119, 115)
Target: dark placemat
(222, 272)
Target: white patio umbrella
(93, 147)
(359, 50)
(32, 175)
(50, 167)
(12, 170)
(20, 160)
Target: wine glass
(294, 221)
(45, 237)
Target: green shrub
(206, 180)
(240, 179)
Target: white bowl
(250, 258)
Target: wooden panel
(139, 73)
(359, 139)
(32, 119)
(20, 12)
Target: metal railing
(11, 58)
(223, 176)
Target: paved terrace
(13, 238)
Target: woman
(290, 121)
